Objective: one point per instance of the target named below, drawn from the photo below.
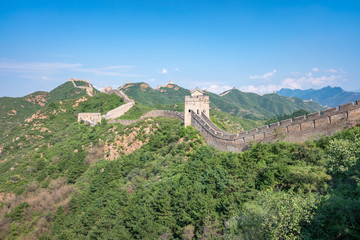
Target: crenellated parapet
(299, 129)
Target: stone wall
(118, 92)
(299, 129)
(119, 111)
(90, 118)
(89, 89)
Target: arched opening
(189, 110)
(198, 111)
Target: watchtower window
(198, 111)
(189, 110)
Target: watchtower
(196, 102)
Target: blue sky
(257, 46)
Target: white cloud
(36, 67)
(164, 71)
(42, 68)
(217, 88)
(301, 81)
(176, 69)
(117, 67)
(331, 70)
(291, 83)
(260, 89)
(315, 69)
(310, 81)
(264, 76)
(110, 71)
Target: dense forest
(156, 179)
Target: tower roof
(196, 92)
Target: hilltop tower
(198, 103)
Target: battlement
(299, 129)
(197, 99)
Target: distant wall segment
(90, 118)
(114, 113)
(89, 88)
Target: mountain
(265, 106)
(15, 110)
(156, 179)
(235, 102)
(327, 96)
(144, 94)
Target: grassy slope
(232, 123)
(269, 105)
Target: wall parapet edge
(317, 121)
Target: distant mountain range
(327, 96)
(235, 102)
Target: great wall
(299, 129)
(89, 89)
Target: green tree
(272, 215)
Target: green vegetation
(144, 94)
(136, 112)
(66, 91)
(237, 103)
(81, 83)
(156, 179)
(287, 116)
(179, 107)
(232, 123)
(15, 110)
(253, 106)
(102, 103)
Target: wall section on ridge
(299, 129)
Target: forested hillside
(15, 110)
(234, 102)
(156, 179)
